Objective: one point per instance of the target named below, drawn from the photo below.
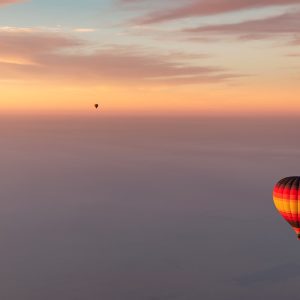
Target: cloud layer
(198, 8)
(55, 56)
(284, 24)
(4, 2)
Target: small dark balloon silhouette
(96, 105)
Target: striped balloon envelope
(286, 195)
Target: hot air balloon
(286, 196)
(96, 105)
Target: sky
(142, 56)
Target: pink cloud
(196, 8)
(287, 24)
(293, 55)
(4, 2)
(57, 57)
(296, 41)
(30, 44)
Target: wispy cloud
(84, 30)
(17, 29)
(287, 24)
(54, 56)
(30, 44)
(293, 55)
(4, 2)
(196, 8)
(296, 41)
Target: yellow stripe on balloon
(286, 206)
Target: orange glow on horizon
(206, 99)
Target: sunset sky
(150, 56)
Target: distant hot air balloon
(96, 105)
(286, 196)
